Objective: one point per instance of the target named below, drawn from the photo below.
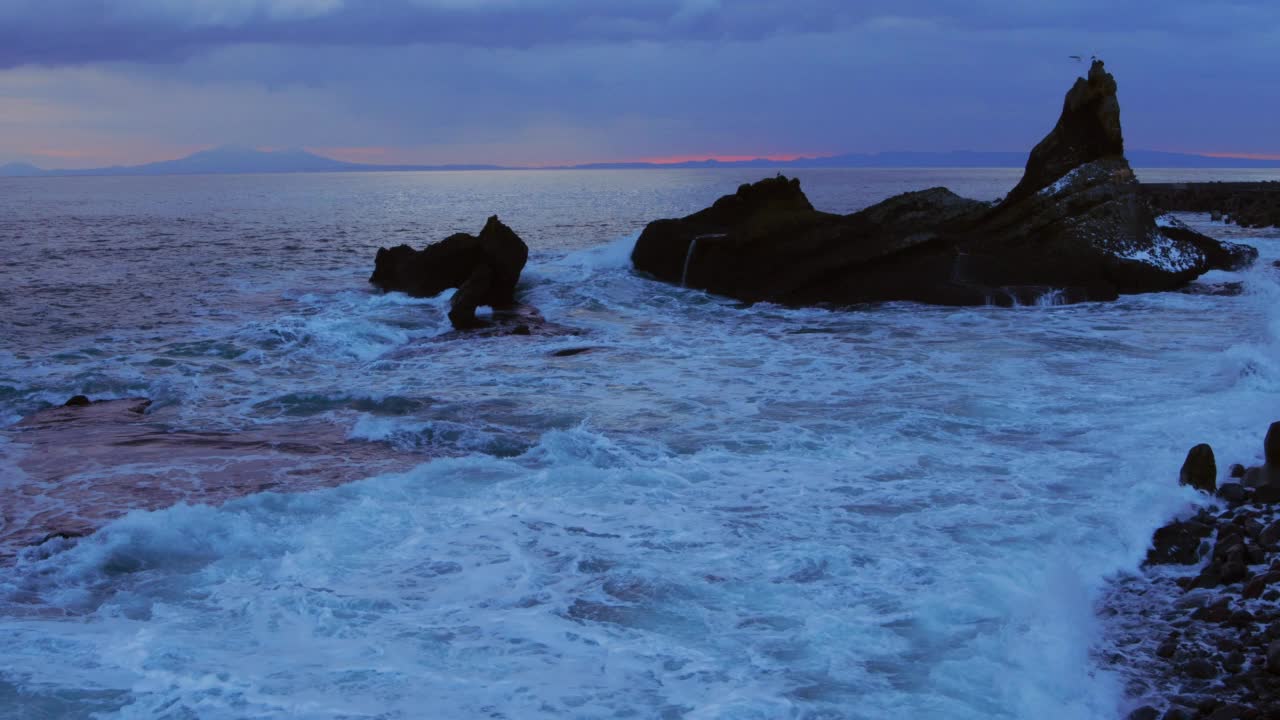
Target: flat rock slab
(80, 467)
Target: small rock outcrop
(485, 268)
(1075, 228)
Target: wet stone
(1240, 619)
(1267, 494)
(1233, 492)
(1201, 669)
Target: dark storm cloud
(86, 82)
(68, 32)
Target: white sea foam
(1166, 254)
(745, 512)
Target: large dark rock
(484, 268)
(1269, 473)
(1075, 228)
(1178, 543)
(1200, 470)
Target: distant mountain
(20, 170)
(953, 159)
(232, 160)
(237, 160)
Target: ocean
(685, 507)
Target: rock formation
(484, 268)
(1248, 204)
(1200, 624)
(1075, 226)
(1200, 471)
(1269, 473)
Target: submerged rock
(88, 464)
(485, 268)
(1075, 228)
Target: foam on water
(719, 512)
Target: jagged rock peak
(1087, 130)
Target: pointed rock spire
(1088, 130)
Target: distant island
(239, 160)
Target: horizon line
(335, 154)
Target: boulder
(1233, 493)
(1199, 470)
(1075, 228)
(1178, 543)
(1269, 472)
(485, 268)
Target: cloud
(55, 32)
(524, 81)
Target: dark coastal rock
(1145, 712)
(570, 352)
(1233, 493)
(1201, 669)
(517, 319)
(1199, 470)
(1226, 289)
(80, 410)
(1269, 473)
(1206, 639)
(1248, 204)
(1179, 543)
(1075, 228)
(1259, 584)
(1219, 254)
(1088, 129)
(485, 268)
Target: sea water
(713, 511)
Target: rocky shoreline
(1247, 204)
(1197, 629)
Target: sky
(87, 83)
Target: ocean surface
(337, 508)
